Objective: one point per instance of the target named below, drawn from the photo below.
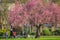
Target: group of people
(12, 33)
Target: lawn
(41, 38)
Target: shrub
(57, 32)
(47, 32)
(32, 33)
(1, 33)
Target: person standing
(11, 32)
(6, 34)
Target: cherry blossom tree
(34, 9)
(17, 16)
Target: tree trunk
(37, 32)
(40, 30)
(31, 28)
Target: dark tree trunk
(38, 31)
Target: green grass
(41, 38)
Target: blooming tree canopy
(17, 17)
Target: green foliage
(47, 32)
(57, 32)
(2, 32)
(32, 33)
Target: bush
(57, 32)
(32, 33)
(47, 32)
(2, 32)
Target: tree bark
(38, 31)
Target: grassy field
(41, 38)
